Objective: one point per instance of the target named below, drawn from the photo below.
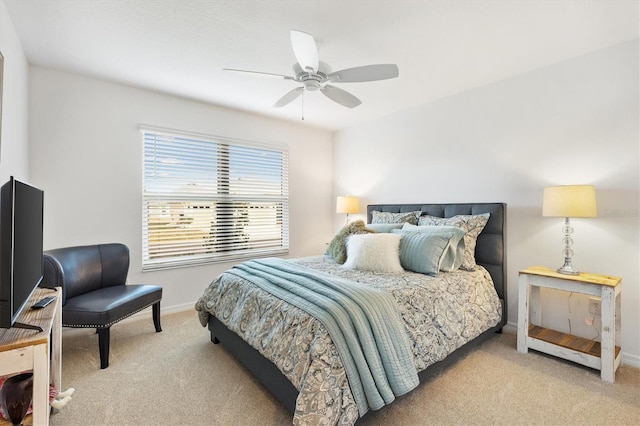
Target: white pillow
(374, 252)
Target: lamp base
(567, 269)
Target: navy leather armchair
(94, 290)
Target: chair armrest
(53, 276)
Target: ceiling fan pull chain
(302, 106)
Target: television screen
(21, 262)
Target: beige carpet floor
(180, 377)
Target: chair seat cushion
(105, 306)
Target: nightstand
(605, 355)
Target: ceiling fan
(315, 75)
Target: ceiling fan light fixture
(311, 85)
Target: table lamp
(347, 204)
(569, 201)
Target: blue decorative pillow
(471, 224)
(455, 252)
(423, 253)
(384, 227)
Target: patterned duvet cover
(440, 314)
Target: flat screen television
(21, 262)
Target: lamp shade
(347, 204)
(569, 201)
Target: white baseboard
(163, 310)
(180, 308)
(511, 328)
(630, 360)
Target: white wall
(14, 132)
(87, 156)
(575, 122)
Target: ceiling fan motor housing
(310, 80)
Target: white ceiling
(441, 47)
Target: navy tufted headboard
(490, 248)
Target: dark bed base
(490, 253)
(281, 388)
(264, 370)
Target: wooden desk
(22, 350)
(604, 355)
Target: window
(208, 199)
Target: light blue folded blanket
(363, 323)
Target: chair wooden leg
(156, 316)
(103, 343)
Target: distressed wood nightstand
(605, 355)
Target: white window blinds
(208, 199)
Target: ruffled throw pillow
(337, 248)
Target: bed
(295, 357)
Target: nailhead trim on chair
(112, 322)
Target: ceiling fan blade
(364, 73)
(268, 74)
(305, 50)
(289, 97)
(340, 96)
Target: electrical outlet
(594, 306)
